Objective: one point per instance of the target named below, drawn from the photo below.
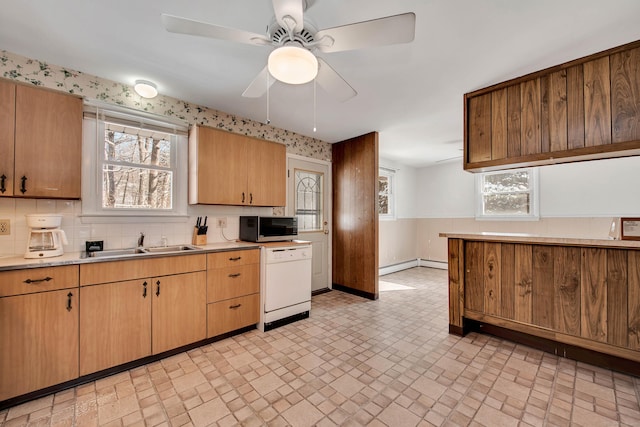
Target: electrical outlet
(5, 227)
(222, 222)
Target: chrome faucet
(141, 240)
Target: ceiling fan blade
(176, 24)
(292, 8)
(259, 85)
(329, 80)
(377, 32)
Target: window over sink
(134, 164)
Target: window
(507, 194)
(134, 165)
(308, 203)
(386, 200)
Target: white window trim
(92, 210)
(534, 215)
(391, 174)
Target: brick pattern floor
(354, 362)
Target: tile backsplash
(121, 233)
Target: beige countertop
(19, 262)
(549, 240)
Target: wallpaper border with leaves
(40, 73)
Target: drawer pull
(46, 279)
(233, 307)
(3, 178)
(69, 296)
(237, 258)
(144, 290)
(23, 184)
(234, 275)
(158, 288)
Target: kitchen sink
(111, 253)
(165, 249)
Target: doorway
(308, 199)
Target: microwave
(268, 228)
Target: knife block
(198, 239)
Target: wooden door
(48, 144)
(178, 310)
(355, 215)
(218, 162)
(39, 333)
(267, 173)
(115, 324)
(7, 135)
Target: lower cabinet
(145, 315)
(38, 329)
(233, 291)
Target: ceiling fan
(295, 42)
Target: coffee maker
(45, 237)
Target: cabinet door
(221, 167)
(178, 310)
(48, 144)
(115, 324)
(40, 337)
(7, 132)
(267, 179)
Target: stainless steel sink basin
(165, 249)
(116, 252)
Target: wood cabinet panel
(581, 110)
(474, 274)
(116, 271)
(456, 274)
(617, 292)
(40, 336)
(542, 292)
(232, 314)
(522, 308)
(178, 311)
(499, 124)
(597, 107)
(32, 280)
(625, 95)
(233, 258)
(566, 298)
(51, 170)
(115, 321)
(633, 300)
(508, 285)
(232, 282)
(594, 294)
(7, 136)
(492, 277)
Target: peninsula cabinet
(231, 169)
(572, 292)
(150, 305)
(580, 110)
(40, 142)
(38, 328)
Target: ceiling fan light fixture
(145, 88)
(293, 65)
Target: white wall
(405, 186)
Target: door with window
(308, 198)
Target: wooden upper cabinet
(48, 144)
(581, 110)
(231, 169)
(7, 132)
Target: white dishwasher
(285, 294)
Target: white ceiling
(411, 93)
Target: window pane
(308, 203)
(383, 195)
(126, 187)
(506, 182)
(137, 149)
(507, 204)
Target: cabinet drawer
(229, 315)
(31, 280)
(232, 282)
(233, 258)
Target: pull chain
(314, 105)
(268, 119)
